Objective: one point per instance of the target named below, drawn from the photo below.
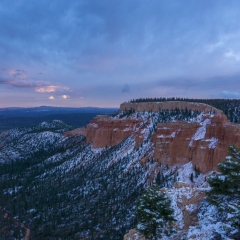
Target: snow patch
(213, 142)
(93, 125)
(200, 133)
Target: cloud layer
(110, 51)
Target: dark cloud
(216, 83)
(174, 46)
(80, 29)
(17, 83)
(125, 88)
(19, 73)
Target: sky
(101, 53)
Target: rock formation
(203, 142)
(106, 131)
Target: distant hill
(25, 117)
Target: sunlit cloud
(51, 98)
(65, 96)
(50, 88)
(40, 87)
(18, 78)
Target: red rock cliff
(105, 131)
(204, 143)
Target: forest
(230, 107)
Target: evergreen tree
(154, 213)
(225, 187)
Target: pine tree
(225, 190)
(154, 213)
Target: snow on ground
(188, 198)
(209, 224)
(184, 172)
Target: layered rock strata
(205, 143)
(106, 131)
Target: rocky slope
(195, 217)
(83, 183)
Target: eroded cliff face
(105, 131)
(205, 143)
(204, 140)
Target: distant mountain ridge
(24, 117)
(19, 111)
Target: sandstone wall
(177, 143)
(105, 131)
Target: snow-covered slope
(22, 143)
(64, 188)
